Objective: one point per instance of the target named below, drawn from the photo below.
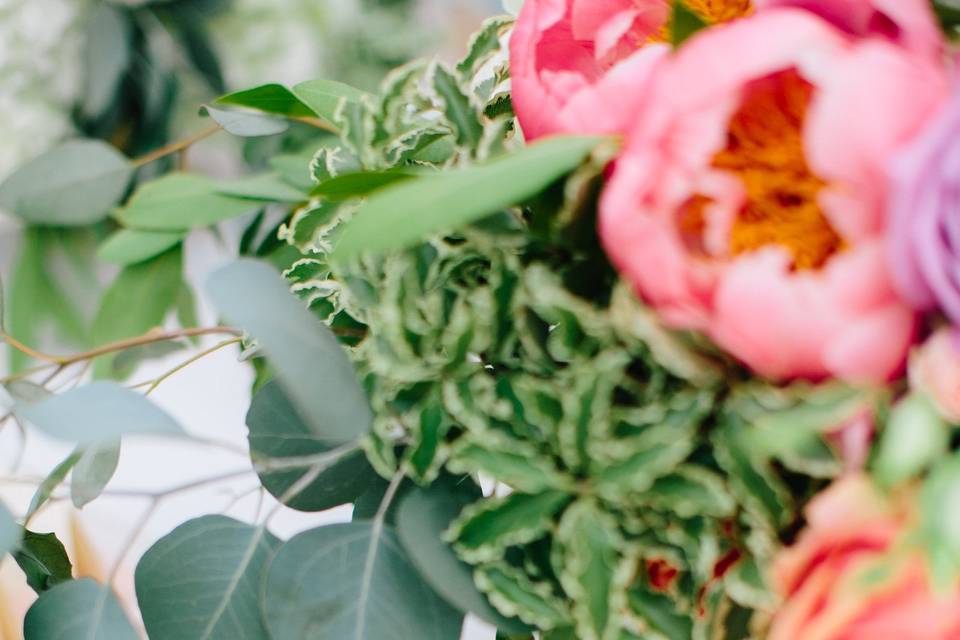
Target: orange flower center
(714, 11)
(765, 151)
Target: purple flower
(925, 216)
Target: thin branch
(174, 147)
(122, 345)
(325, 459)
(156, 382)
(316, 122)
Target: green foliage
(43, 560)
(683, 22)
(180, 201)
(97, 413)
(78, 609)
(246, 124)
(93, 471)
(9, 532)
(131, 246)
(916, 437)
(316, 573)
(202, 581)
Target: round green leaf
(77, 609)
(201, 581)
(352, 581)
(277, 431)
(76, 183)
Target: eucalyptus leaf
(76, 183)
(181, 201)
(915, 437)
(312, 366)
(78, 609)
(266, 187)
(98, 412)
(352, 581)
(423, 516)
(401, 215)
(201, 581)
(106, 57)
(93, 471)
(277, 431)
(246, 124)
(130, 246)
(49, 484)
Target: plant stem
(174, 147)
(156, 382)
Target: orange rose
(840, 581)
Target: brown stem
(174, 147)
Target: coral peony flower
(581, 66)
(910, 23)
(749, 202)
(925, 216)
(935, 371)
(840, 581)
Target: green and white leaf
(513, 593)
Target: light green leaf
(294, 169)
(201, 582)
(515, 463)
(49, 484)
(423, 516)
(78, 609)
(130, 246)
(137, 301)
(98, 412)
(312, 366)
(9, 531)
(594, 570)
(93, 471)
(246, 124)
(940, 522)
(403, 214)
(76, 183)
(458, 108)
(106, 56)
(181, 201)
(352, 581)
(266, 187)
(43, 560)
(269, 98)
(914, 438)
(277, 431)
(325, 96)
(484, 529)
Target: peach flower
(581, 66)
(935, 371)
(846, 579)
(750, 200)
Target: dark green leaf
(458, 108)
(683, 23)
(201, 582)
(310, 363)
(423, 516)
(277, 431)
(181, 201)
(354, 185)
(43, 560)
(269, 98)
(130, 246)
(352, 581)
(76, 183)
(98, 412)
(78, 609)
(403, 214)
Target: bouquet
(639, 322)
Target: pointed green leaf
(325, 96)
(401, 215)
(266, 187)
(269, 98)
(181, 201)
(457, 107)
(93, 471)
(44, 561)
(246, 124)
(513, 593)
(53, 480)
(130, 246)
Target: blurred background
(134, 73)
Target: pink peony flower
(829, 582)
(935, 371)
(749, 202)
(910, 23)
(925, 216)
(581, 66)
